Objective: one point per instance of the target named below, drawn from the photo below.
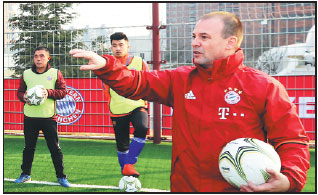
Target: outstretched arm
(132, 84)
(95, 61)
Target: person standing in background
(42, 117)
(125, 111)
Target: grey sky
(114, 14)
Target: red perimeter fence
(84, 111)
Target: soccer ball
(246, 159)
(129, 184)
(35, 95)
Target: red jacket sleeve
(22, 89)
(134, 84)
(145, 66)
(60, 88)
(286, 133)
(106, 91)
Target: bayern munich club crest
(71, 108)
(232, 96)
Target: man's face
(208, 44)
(120, 48)
(41, 58)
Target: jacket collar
(34, 68)
(223, 67)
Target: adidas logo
(190, 95)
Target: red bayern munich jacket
(213, 106)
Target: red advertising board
(301, 91)
(84, 111)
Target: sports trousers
(31, 133)
(139, 120)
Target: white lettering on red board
(306, 106)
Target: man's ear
(49, 58)
(231, 42)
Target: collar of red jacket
(223, 67)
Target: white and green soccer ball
(129, 184)
(246, 159)
(35, 95)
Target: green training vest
(47, 79)
(121, 105)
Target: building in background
(266, 25)
(8, 38)
(141, 46)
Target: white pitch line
(86, 186)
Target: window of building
(192, 12)
(300, 14)
(192, 5)
(189, 29)
(308, 4)
(308, 14)
(295, 30)
(142, 55)
(287, 4)
(192, 19)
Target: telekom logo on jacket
(224, 112)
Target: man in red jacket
(218, 100)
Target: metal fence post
(156, 66)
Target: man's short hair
(232, 24)
(42, 48)
(118, 36)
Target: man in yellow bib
(43, 116)
(125, 111)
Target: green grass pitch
(94, 162)
(86, 161)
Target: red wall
(89, 112)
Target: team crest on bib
(71, 108)
(232, 96)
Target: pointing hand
(95, 61)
